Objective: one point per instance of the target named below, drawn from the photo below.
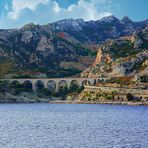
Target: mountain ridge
(59, 49)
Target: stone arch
(74, 84)
(62, 84)
(15, 84)
(86, 82)
(51, 85)
(27, 85)
(62, 88)
(100, 80)
(39, 84)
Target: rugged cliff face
(39, 49)
(63, 48)
(125, 56)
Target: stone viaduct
(56, 83)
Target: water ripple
(73, 126)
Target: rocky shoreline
(97, 102)
(32, 98)
(23, 98)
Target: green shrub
(129, 97)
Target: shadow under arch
(74, 85)
(62, 88)
(15, 84)
(86, 82)
(63, 84)
(100, 80)
(51, 85)
(27, 85)
(39, 85)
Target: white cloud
(18, 5)
(88, 10)
(46, 11)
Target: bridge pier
(33, 87)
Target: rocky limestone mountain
(125, 56)
(62, 48)
(38, 48)
(96, 32)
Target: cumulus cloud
(46, 11)
(18, 5)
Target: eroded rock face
(42, 44)
(26, 37)
(3, 53)
(113, 59)
(45, 45)
(118, 70)
(34, 59)
(138, 43)
(99, 57)
(102, 57)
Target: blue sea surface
(73, 126)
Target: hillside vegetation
(125, 56)
(64, 48)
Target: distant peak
(126, 19)
(71, 20)
(80, 20)
(29, 25)
(75, 23)
(108, 19)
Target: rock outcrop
(121, 57)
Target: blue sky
(16, 13)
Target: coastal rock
(22, 98)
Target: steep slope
(126, 56)
(59, 49)
(36, 48)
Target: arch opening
(74, 85)
(15, 87)
(100, 80)
(27, 86)
(39, 85)
(62, 88)
(86, 82)
(15, 84)
(51, 85)
(63, 84)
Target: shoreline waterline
(111, 103)
(82, 102)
